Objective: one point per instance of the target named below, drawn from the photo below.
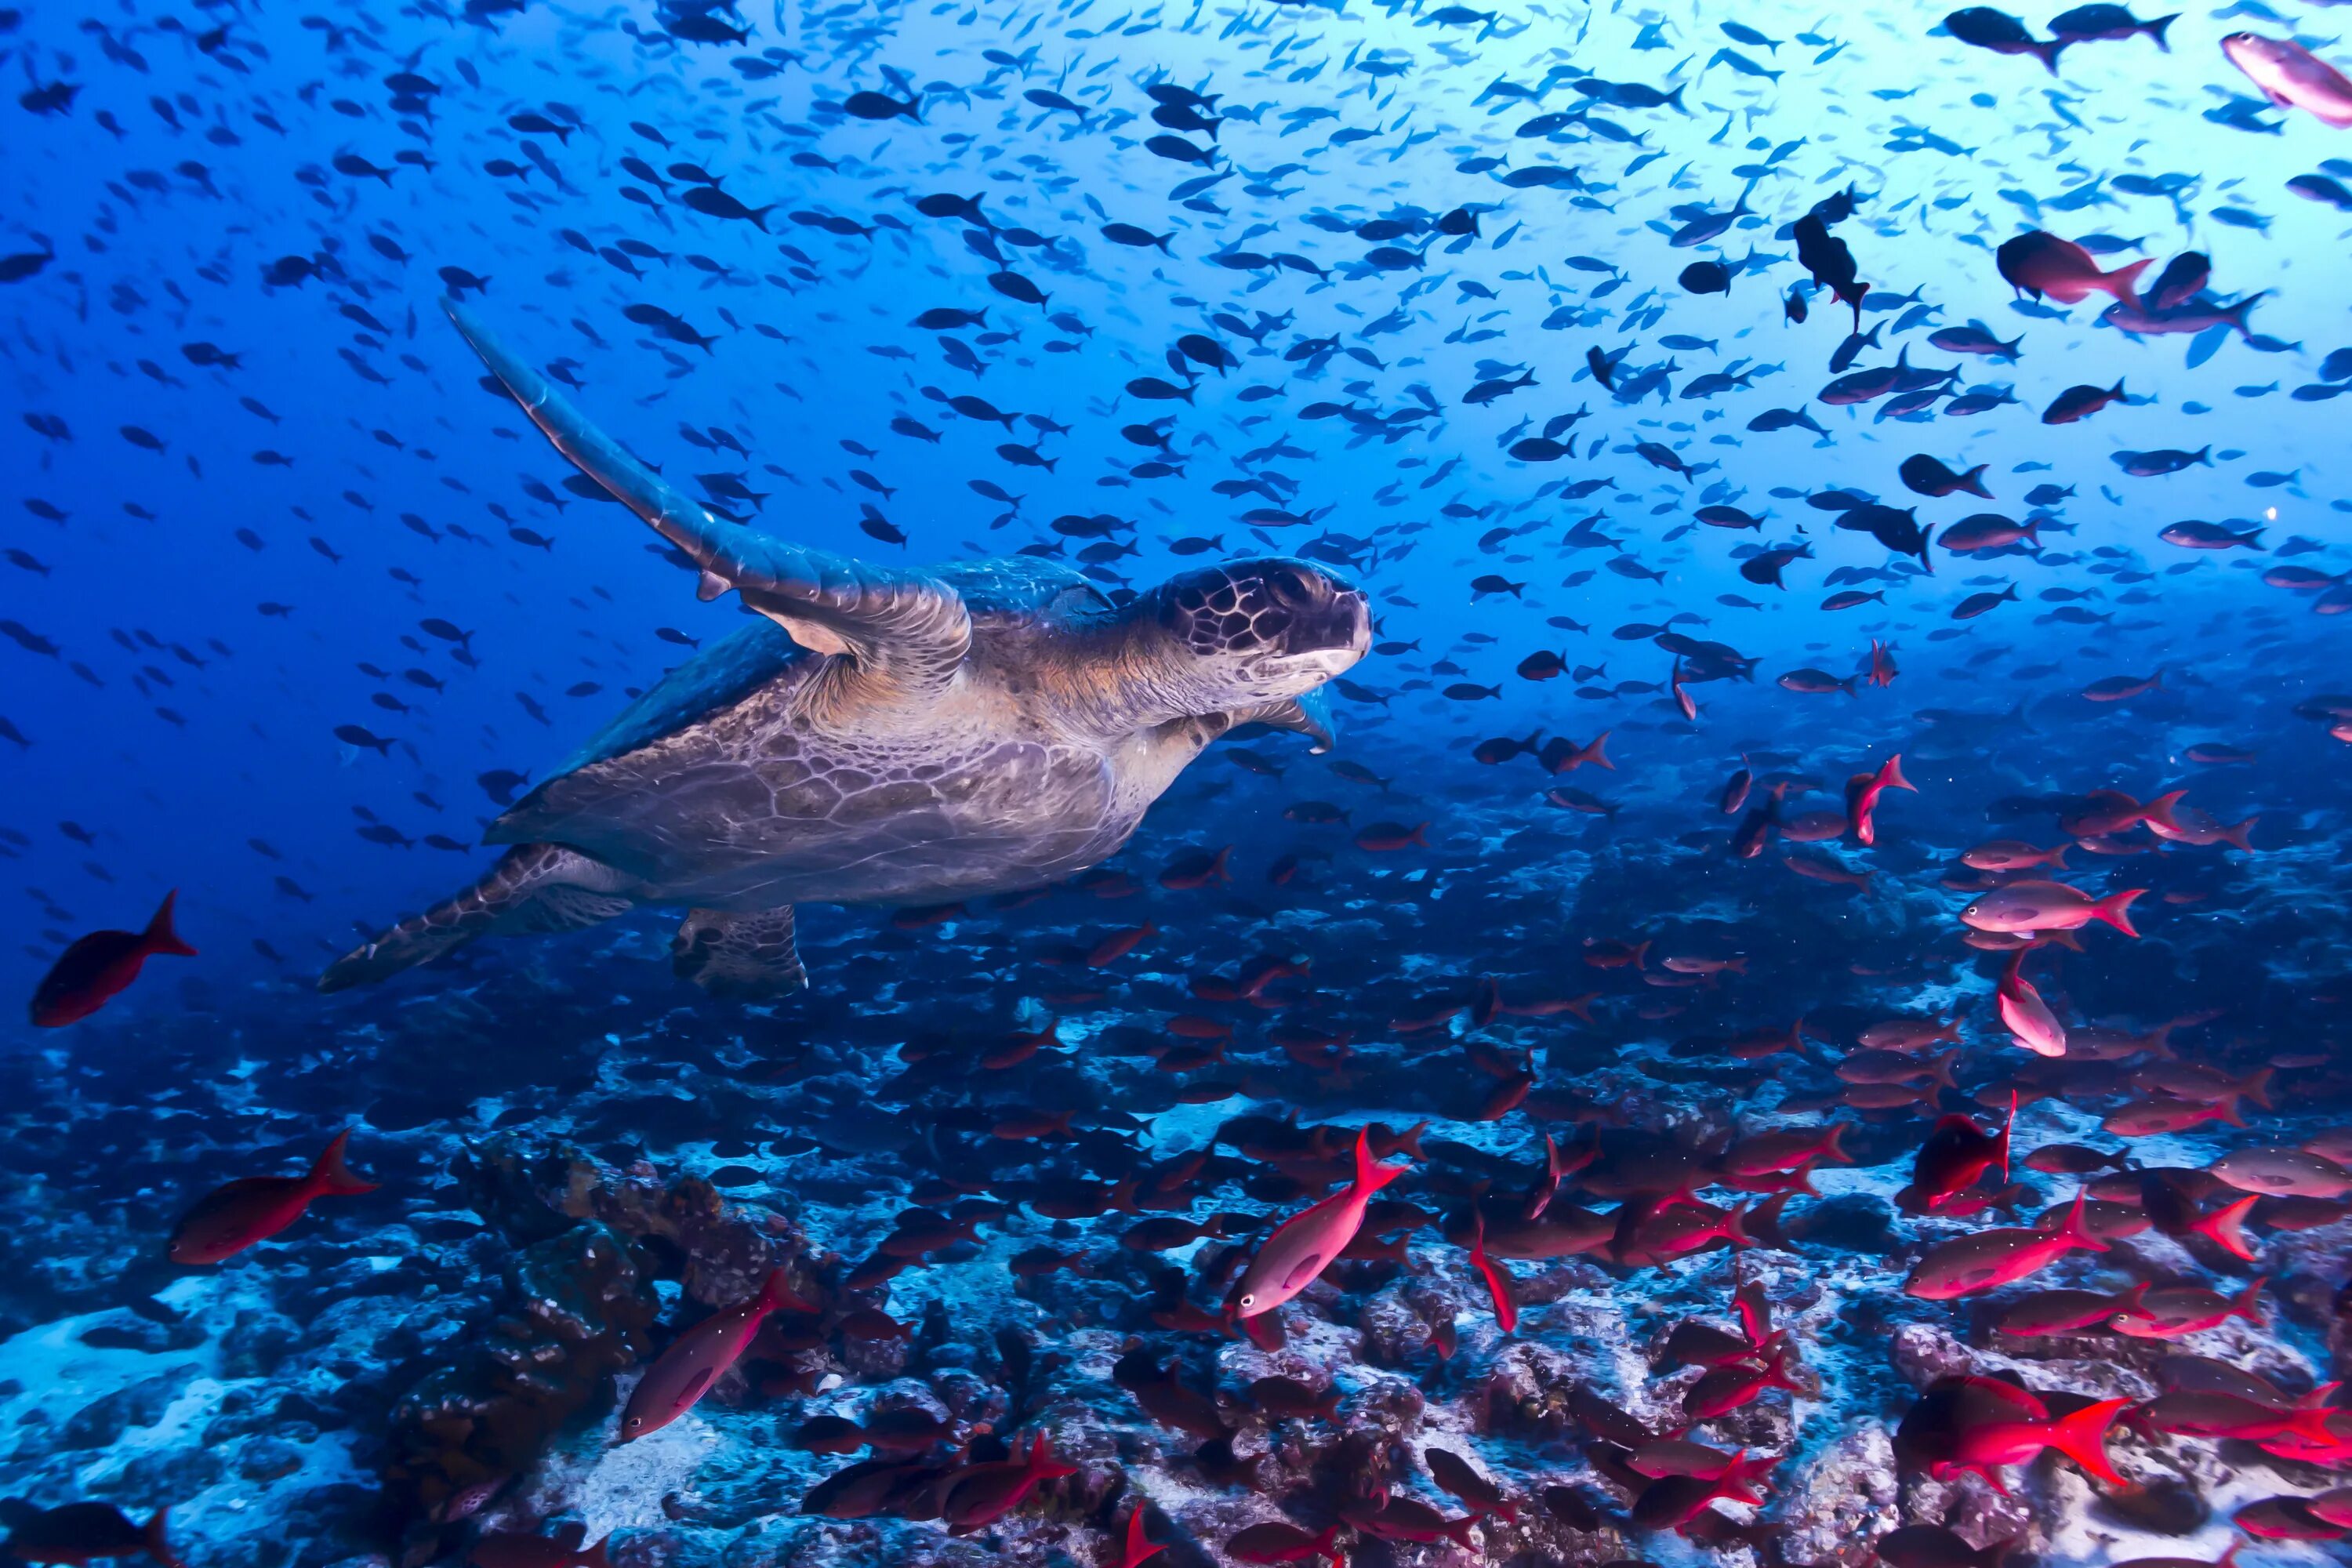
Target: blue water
(213, 567)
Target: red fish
(81, 1533)
(99, 966)
(562, 1550)
(1673, 1502)
(1388, 837)
(697, 1358)
(1729, 1387)
(1275, 1542)
(980, 1495)
(1295, 1255)
(1138, 1547)
(251, 1209)
(1991, 1258)
(1955, 1154)
(1499, 1285)
(1862, 793)
(2081, 1436)
(1118, 944)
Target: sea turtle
(876, 735)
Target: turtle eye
(1287, 584)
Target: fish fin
(332, 1177)
(2240, 835)
(2256, 1086)
(2113, 910)
(160, 937)
(746, 956)
(2249, 1304)
(2083, 1438)
(1598, 753)
(596, 1556)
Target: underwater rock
(576, 1309)
(1838, 1500)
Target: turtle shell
(727, 671)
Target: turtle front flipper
(905, 632)
(533, 887)
(748, 957)
(1309, 716)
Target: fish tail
(594, 1556)
(1890, 774)
(2057, 857)
(2239, 834)
(2225, 1227)
(2123, 282)
(2156, 30)
(2007, 1129)
(1735, 1229)
(2256, 1088)
(2249, 1304)
(333, 1178)
(2083, 1438)
(155, 1543)
(777, 1295)
(2076, 1230)
(1598, 753)
(1371, 1174)
(2114, 910)
(160, 937)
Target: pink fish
(252, 1209)
(2179, 1309)
(1991, 1258)
(2291, 77)
(1296, 1254)
(2041, 263)
(2025, 1015)
(1862, 793)
(2049, 906)
(697, 1358)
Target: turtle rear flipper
(534, 888)
(747, 957)
(905, 632)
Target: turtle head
(1252, 632)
